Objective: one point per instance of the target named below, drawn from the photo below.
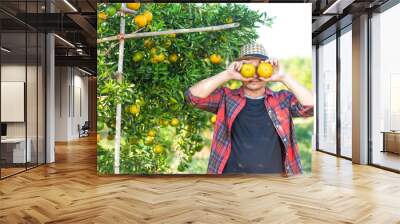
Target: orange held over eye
(248, 70)
(133, 6)
(215, 59)
(141, 20)
(265, 70)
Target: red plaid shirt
(227, 104)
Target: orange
(141, 20)
(265, 70)
(215, 59)
(248, 70)
(151, 133)
(159, 57)
(102, 16)
(174, 122)
(173, 58)
(153, 60)
(98, 137)
(149, 16)
(213, 119)
(134, 109)
(149, 140)
(158, 149)
(133, 6)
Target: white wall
(70, 83)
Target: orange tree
(160, 133)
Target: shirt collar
(240, 91)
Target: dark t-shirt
(256, 146)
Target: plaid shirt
(227, 104)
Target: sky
(290, 34)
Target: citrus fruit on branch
(141, 20)
(215, 59)
(133, 6)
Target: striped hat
(253, 50)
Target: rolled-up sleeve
(210, 103)
(295, 107)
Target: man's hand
(304, 95)
(233, 71)
(278, 75)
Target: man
(254, 132)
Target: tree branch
(166, 32)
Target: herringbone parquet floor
(70, 191)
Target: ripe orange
(215, 59)
(158, 149)
(174, 122)
(134, 109)
(149, 140)
(153, 60)
(265, 70)
(159, 57)
(98, 137)
(141, 20)
(173, 58)
(133, 6)
(102, 16)
(248, 70)
(151, 133)
(149, 16)
(213, 119)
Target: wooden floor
(70, 191)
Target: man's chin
(254, 84)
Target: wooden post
(119, 78)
